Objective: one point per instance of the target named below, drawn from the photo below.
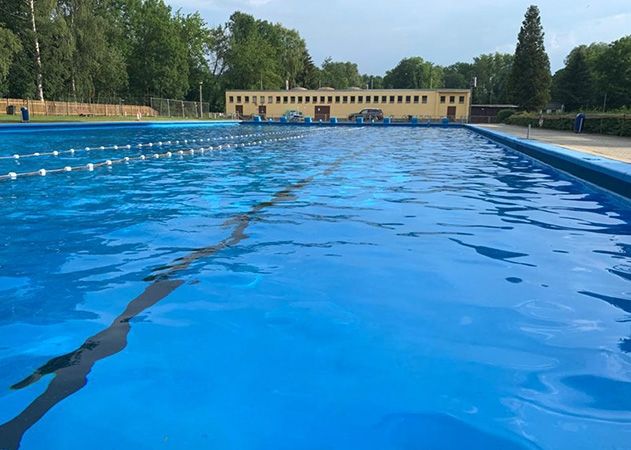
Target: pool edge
(609, 174)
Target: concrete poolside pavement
(613, 147)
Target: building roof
(350, 90)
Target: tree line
(88, 50)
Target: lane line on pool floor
(71, 370)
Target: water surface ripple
(357, 288)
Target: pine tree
(530, 77)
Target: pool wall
(610, 174)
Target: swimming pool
(342, 288)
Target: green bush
(611, 124)
(504, 114)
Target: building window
(278, 99)
(392, 99)
(300, 99)
(307, 99)
(452, 99)
(442, 99)
(254, 99)
(360, 99)
(270, 99)
(399, 99)
(322, 99)
(352, 99)
(293, 99)
(461, 99)
(247, 99)
(315, 99)
(238, 99)
(416, 99)
(384, 99)
(424, 99)
(375, 99)
(337, 99)
(408, 99)
(262, 100)
(285, 99)
(231, 99)
(330, 100)
(344, 99)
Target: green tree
(158, 62)
(530, 78)
(340, 75)
(9, 47)
(493, 71)
(252, 61)
(573, 85)
(414, 73)
(458, 76)
(98, 67)
(309, 76)
(614, 72)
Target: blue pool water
(353, 288)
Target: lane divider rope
(72, 151)
(143, 157)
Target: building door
(262, 111)
(322, 113)
(451, 113)
(239, 110)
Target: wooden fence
(53, 108)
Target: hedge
(615, 125)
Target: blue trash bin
(387, 120)
(258, 119)
(445, 120)
(26, 115)
(359, 119)
(414, 120)
(283, 119)
(579, 123)
(333, 119)
(308, 119)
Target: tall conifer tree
(530, 77)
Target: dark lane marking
(71, 370)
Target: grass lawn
(17, 118)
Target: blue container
(414, 120)
(387, 120)
(445, 120)
(26, 115)
(283, 119)
(333, 119)
(359, 120)
(258, 119)
(579, 123)
(308, 120)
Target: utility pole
(201, 103)
(38, 56)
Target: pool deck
(612, 147)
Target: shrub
(504, 114)
(611, 124)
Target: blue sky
(377, 34)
